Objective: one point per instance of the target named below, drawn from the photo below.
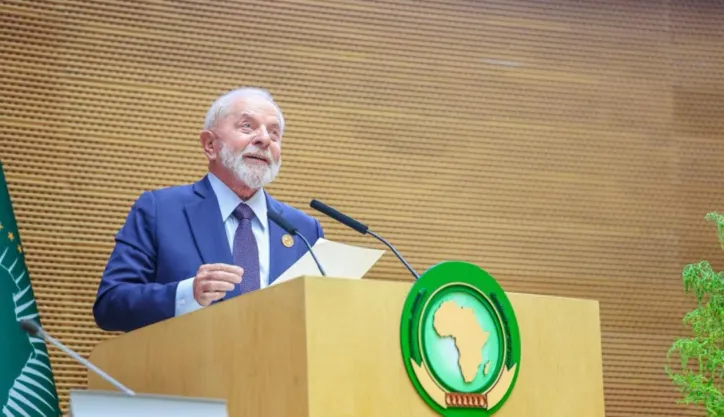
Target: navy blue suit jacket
(168, 234)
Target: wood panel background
(568, 147)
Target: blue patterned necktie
(246, 252)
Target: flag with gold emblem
(27, 386)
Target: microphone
(289, 228)
(35, 330)
(360, 227)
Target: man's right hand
(213, 281)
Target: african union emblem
(460, 340)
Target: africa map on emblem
(462, 342)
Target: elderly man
(185, 247)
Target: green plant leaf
(701, 356)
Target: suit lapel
(280, 256)
(206, 225)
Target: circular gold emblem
(288, 241)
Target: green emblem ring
(460, 340)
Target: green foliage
(702, 355)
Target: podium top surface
(93, 403)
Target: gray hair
(219, 107)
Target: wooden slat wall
(567, 147)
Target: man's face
(249, 139)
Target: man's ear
(208, 144)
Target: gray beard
(254, 176)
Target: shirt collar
(228, 200)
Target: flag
(27, 386)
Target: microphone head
(30, 327)
(345, 220)
(278, 219)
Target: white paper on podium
(339, 260)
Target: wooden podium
(331, 347)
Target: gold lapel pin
(288, 241)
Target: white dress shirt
(228, 201)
